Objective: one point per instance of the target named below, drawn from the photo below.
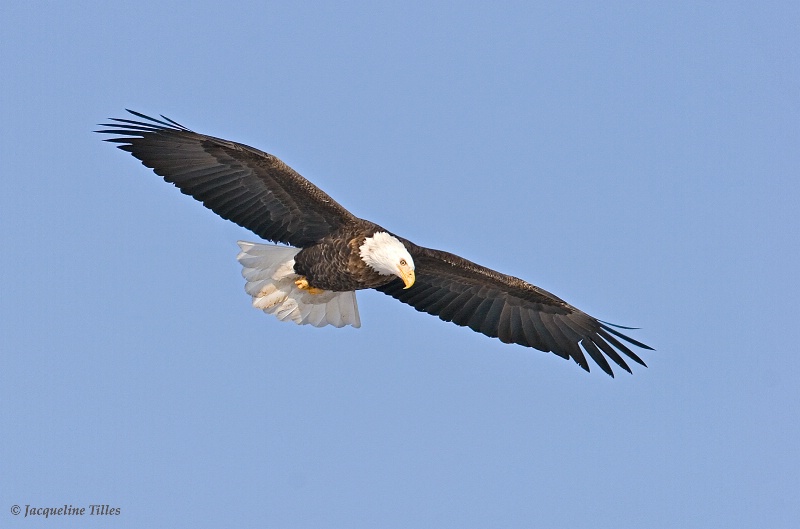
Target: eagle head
(386, 255)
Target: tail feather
(269, 271)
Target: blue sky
(639, 160)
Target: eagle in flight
(327, 253)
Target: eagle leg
(302, 284)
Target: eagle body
(325, 253)
(334, 262)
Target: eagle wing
(254, 189)
(508, 308)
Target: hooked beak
(408, 277)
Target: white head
(386, 255)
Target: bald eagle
(331, 253)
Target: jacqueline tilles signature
(68, 510)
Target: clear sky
(638, 159)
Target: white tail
(269, 271)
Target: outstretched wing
(505, 307)
(239, 183)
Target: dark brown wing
(508, 308)
(239, 183)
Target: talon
(302, 284)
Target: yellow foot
(302, 284)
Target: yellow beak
(408, 277)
